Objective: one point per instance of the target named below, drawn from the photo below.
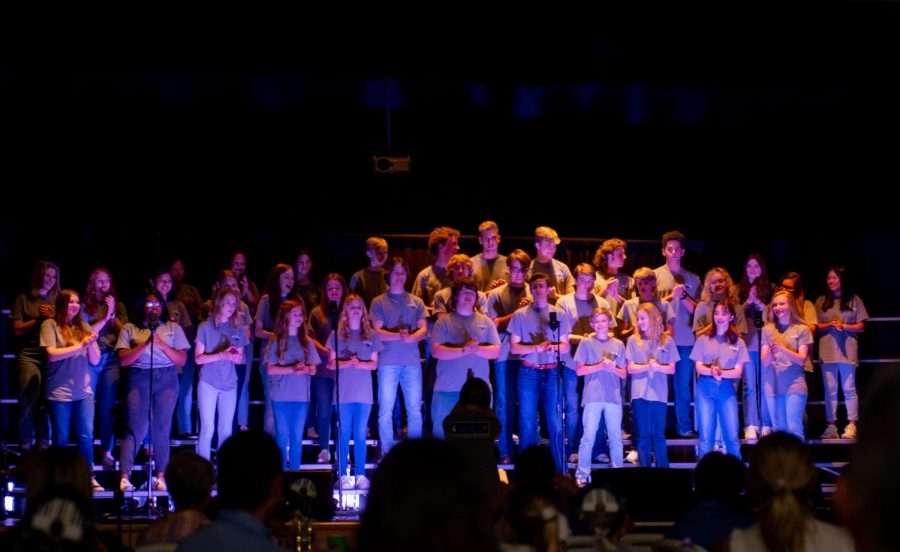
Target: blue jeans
(354, 419)
(210, 402)
(34, 415)
(570, 380)
(409, 378)
(681, 384)
(717, 401)
(752, 416)
(845, 373)
(105, 384)
(591, 421)
(322, 392)
(650, 426)
(442, 402)
(63, 413)
(268, 417)
(185, 405)
(290, 419)
(505, 374)
(787, 413)
(535, 384)
(138, 403)
(242, 411)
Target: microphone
(554, 321)
(152, 320)
(332, 307)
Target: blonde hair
(782, 476)
(376, 243)
(460, 259)
(488, 225)
(365, 327)
(217, 306)
(731, 291)
(546, 233)
(655, 331)
(795, 314)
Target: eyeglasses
(151, 304)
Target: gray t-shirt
(560, 276)
(220, 373)
(67, 379)
(503, 301)
(665, 282)
(171, 333)
(454, 330)
(717, 349)
(320, 330)
(442, 301)
(291, 387)
(25, 309)
(783, 376)
(628, 311)
(396, 312)
(834, 345)
(107, 336)
(652, 386)
(368, 284)
(602, 386)
(486, 271)
(356, 383)
(579, 312)
(532, 326)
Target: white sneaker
(347, 482)
(125, 485)
(602, 458)
(750, 433)
(573, 458)
(362, 482)
(581, 481)
(632, 456)
(849, 431)
(160, 484)
(766, 430)
(96, 486)
(324, 457)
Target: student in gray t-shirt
(219, 346)
(291, 358)
(356, 357)
(490, 267)
(462, 342)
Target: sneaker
(160, 484)
(849, 431)
(109, 463)
(750, 433)
(362, 482)
(573, 458)
(96, 486)
(347, 482)
(312, 433)
(324, 457)
(602, 458)
(766, 430)
(830, 432)
(632, 457)
(505, 460)
(125, 485)
(581, 481)
(688, 435)
(515, 438)
(626, 435)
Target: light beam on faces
(74, 306)
(833, 281)
(228, 305)
(600, 324)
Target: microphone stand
(560, 393)
(153, 323)
(758, 322)
(333, 317)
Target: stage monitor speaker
(310, 492)
(648, 494)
